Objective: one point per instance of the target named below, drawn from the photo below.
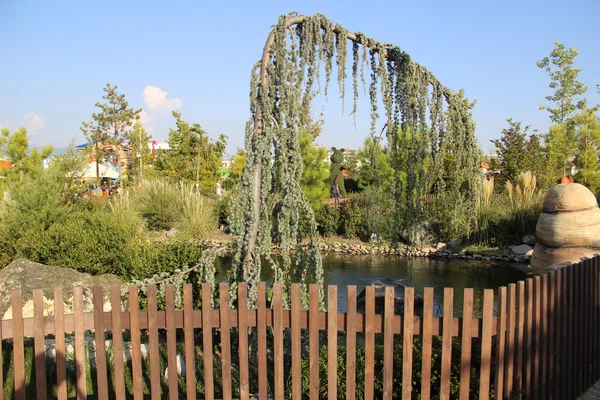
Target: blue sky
(196, 56)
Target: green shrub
(327, 220)
(160, 203)
(197, 216)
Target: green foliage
(328, 220)
(561, 145)
(193, 156)
(196, 217)
(518, 154)
(141, 153)
(586, 126)
(111, 124)
(314, 169)
(159, 204)
(16, 149)
(375, 170)
(237, 167)
(563, 80)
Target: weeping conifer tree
(270, 207)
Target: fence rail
(544, 343)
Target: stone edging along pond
(513, 254)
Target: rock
(380, 298)
(455, 243)
(171, 233)
(530, 240)
(520, 249)
(440, 246)
(529, 253)
(28, 276)
(487, 258)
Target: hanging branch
(281, 95)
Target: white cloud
(156, 100)
(33, 123)
(146, 120)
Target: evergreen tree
(587, 132)
(563, 79)
(518, 151)
(560, 148)
(16, 148)
(375, 165)
(315, 170)
(193, 156)
(111, 123)
(237, 166)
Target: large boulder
(568, 228)
(399, 290)
(28, 275)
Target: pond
(343, 270)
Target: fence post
(447, 343)
(486, 344)
(350, 344)
(408, 318)
(466, 341)
(331, 342)
(101, 377)
(500, 342)
(426, 343)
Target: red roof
(5, 165)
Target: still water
(343, 270)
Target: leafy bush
(327, 220)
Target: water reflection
(343, 270)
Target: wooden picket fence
(545, 334)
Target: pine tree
(111, 124)
(587, 132)
(315, 170)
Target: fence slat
(528, 335)
(39, 344)
(578, 326)
(587, 331)
(171, 342)
(407, 344)
(278, 340)
(511, 321)
(537, 292)
(427, 342)
(262, 340)
(595, 318)
(466, 342)
(188, 332)
(80, 356)
(552, 345)
(153, 342)
(447, 343)
(351, 344)
(100, 344)
(243, 340)
(136, 343)
(486, 344)
(207, 346)
(59, 336)
(571, 310)
(565, 318)
(501, 334)
(225, 339)
(18, 344)
(544, 335)
(117, 336)
(313, 345)
(332, 332)
(2, 367)
(296, 342)
(520, 344)
(369, 342)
